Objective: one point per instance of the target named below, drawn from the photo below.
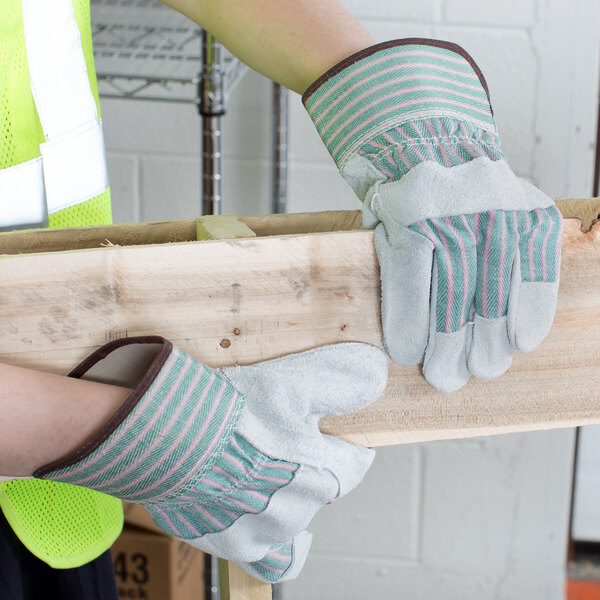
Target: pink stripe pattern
(177, 453)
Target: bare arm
(44, 417)
(292, 42)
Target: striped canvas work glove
(231, 461)
(469, 254)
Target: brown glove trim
(132, 400)
(391, 44)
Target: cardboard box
(149, 566)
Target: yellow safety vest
(52, 162)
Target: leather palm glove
(469, 254)
(230, 461)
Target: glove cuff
(179, 417)
(391, 85)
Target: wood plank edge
(392, 437)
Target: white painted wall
(485, 518)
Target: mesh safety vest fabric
(20, 126)
(64, 525)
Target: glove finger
(490, 353)
(405, 263)
(453, 289)
(331, 380)
(445, 365)
(282, 562)
(531, 310)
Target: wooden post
(236, 584)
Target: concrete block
(380, 518)
(589, 445)
(470, 492)
(383, 29)
(247, 134)
(337, 578)
(151, 127)
(424, 10)
(315, 188)
(515, 13)
(510, 66)
(166, 128)
(252, 93)
(246, 186)
(247, 123)
(540, 522)
(123, 174)
(305, 145)
(586, 510)
(488, 510)
(170, 188)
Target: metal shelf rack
(144, 50)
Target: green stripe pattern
(177, 454)
(391, 87)
(443, 140)
(274, 565)
(475, 259)
(241, 481)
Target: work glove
(230, 461)
(469, 254)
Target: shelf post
(211, 106)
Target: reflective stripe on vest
(72, 166)
(23, 185)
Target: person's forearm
(292, 42)
(44, 417)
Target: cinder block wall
(476, 519)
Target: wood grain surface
(236, 584)
(245, 300)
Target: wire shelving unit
(144, 50)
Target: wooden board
(246, 300)
(165, 232)
(223, 227)
(236, 584)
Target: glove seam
(393, 121)
(189, 485)
(422, 142)
(202, 469)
